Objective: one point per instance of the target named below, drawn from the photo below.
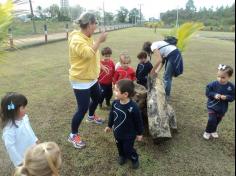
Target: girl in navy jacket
(219, 94)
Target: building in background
(64, 3)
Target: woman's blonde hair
(43, 159)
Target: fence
(54, 37)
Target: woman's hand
(153, 72)
(157, 67)
(102, 37)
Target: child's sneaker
(121, 160)
(206, 135)
(95, 119)
(108, 103)
(135, 165)
(76, 141)
(215, 135)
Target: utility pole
(32, 14)
(140, 13)
(177, 17)
(103, 7)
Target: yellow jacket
(84, 62)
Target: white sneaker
(206, 135)
(215, 135)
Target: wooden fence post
(67, 31)
(10, 37)
(46, 33)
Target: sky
(149, 8)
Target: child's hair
(10, 105)
(126, 57)
(141, 55)
(106, 51)
(227, 69)
(147, 47)
(126, 85)
(43, 159)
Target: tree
(122, 14)
(76, 12)
(109, 17)
(64, 14)
(39, 11)
(134, 15)
(6, 16)
(190, 6)
(54, 11)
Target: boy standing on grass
(105, 78)
(126, 121)
(219, 94)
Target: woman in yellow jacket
(84, 70)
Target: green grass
(22, 29)
(42, 75)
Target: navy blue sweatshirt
(213, 88)
(126, 120)
(142, 72)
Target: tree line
(54, 12)
(221, 19)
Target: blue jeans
(167, 78)
(83, 104)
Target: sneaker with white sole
(76, 141)
(206, 135)
(95, 119)
(215, 135)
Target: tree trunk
(158, 116)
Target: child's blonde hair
(126, 57)
(43, 159)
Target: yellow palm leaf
(6, 16)
(185, 32)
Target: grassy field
(42, 75)
(21, 29)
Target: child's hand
(223, 97)
(217, 96)
(139, 137)
(107, 129)
(105, 69)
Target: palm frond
(6, 17)
(185, 32)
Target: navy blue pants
(214, 119)
(126, 149)
(106, 92)
(83, 104)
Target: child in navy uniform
(219, 94)
(143, 69)
(126, 121)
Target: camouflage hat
(85, 18)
